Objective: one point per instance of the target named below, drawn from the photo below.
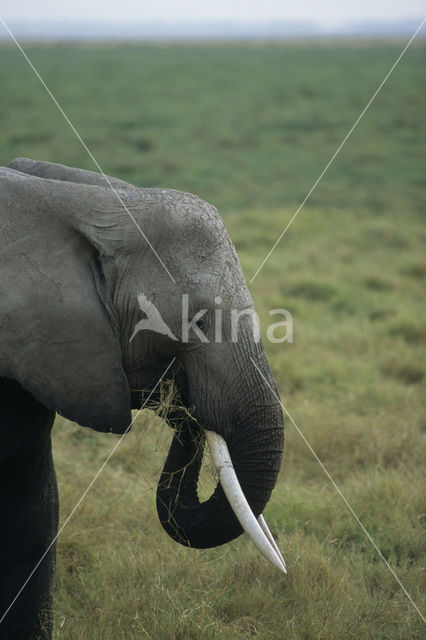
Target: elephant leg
(29, 515)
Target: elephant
(81, 253)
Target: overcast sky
(327, 13)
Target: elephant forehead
(190, 214)
(169, 217)
(220, 283)
(190, 236)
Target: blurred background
(244, 104)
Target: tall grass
(250, 127)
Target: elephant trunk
(255, 451)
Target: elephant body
(78, 253)
(29, 514)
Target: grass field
(250, 128)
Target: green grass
(250, 128)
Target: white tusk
(261, 520)
(262, 539)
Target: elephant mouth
(192, 523)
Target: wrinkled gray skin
(72, 263)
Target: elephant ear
(56, 171)
(58, 336)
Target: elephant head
(105, 287)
